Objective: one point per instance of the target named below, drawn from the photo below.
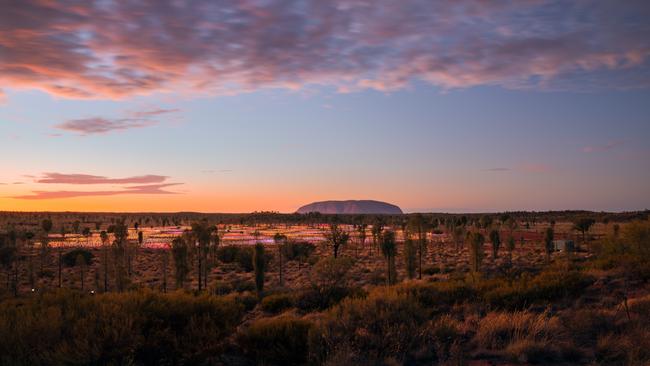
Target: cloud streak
(62, 178)
(99, 125)
(144, 189)
(119, 49)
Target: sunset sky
(455, 106)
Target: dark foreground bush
(384, 327)
(70, 258)
(276, 303)
(276, 341)
(242, 255)
(139, 327)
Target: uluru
(351, 207)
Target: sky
(221, 106)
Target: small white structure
(563, 245)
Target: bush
(281, 341)
(242, 255)
(320, 298)
(549, 286)
(297, 250)
(137, 327)
(385, 325)
(497, 331)
(276, 303)
(437, 296)
(70, 258)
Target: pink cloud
(96, 179)
(118, 49)
(143, 189)
(98, 125)
(602, 148)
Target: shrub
(141, 327)
(497, 330)
(371, 330)
(297, 250)
(437, 296)
(276, 303)
(320, 298)
(242, 255)
(281, 341)
(549, 286)
(70, 258)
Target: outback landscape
(324, 182)
(268, 288)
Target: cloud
(142, 189)
(602, 148)
(97, 179)
(100, 49)
(497, 170)
(98, 125)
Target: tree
(510, 246)
(361, 228)
(259, 264)
(120, 253)
(548, 242)
(583, 225)
(416, 225)
(75, 226)
(80, 262)
(103, 236)
(495, 239)
(389, 249)
(377, 228)
(181, 261)
(337, 238)
(279, 240)
(46, 225)
(409, 257)
(476, 254)
(87, 234)
(202, 235)
(165, 261)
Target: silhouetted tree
(476, 254)
(103, 236)
(389, 249)
(280, 240)
(409, 257)
(583, 226)
(510, 246)
(259, 265)
(337, 238)
(181, 260)
(548, 242)
(80, 262)
(495, 239)
(416, 225)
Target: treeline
(74, 222)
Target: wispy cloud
(497, 170)
(96, 49)
(62, 178)
(99, 125)
(144, 189)
(604, 147)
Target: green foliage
(70, 258)
(127, 328)
(277, 341)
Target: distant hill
(351, 207)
